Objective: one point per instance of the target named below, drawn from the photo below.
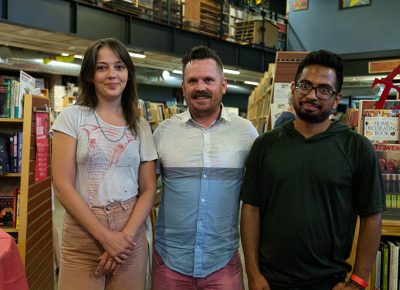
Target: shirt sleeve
(67, 122)
(369, 191)
(250, 191)
(147, 147)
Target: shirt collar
(224, 115)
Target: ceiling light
(231, 71)
(166, 75)
(78, 56)
(251, 83)
(137, 55)
(65, 54)
(177, 71)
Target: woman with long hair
(103, 161)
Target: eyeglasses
(322, 92)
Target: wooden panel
(288, 68)
(40, 271)
(192, 10)
(283, 56)
(37, 188)
(40, 236)
(37, 246)
(390, 228)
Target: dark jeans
(325, 284)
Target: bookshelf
(34, 232)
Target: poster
(42, 146)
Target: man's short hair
(324, 58)
(201, 52)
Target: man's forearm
(250, 236)
(367, 245)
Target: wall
(356, 30)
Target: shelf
(9, 174)
(390, 227)
(11, 120)
(9, 229)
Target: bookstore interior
(264, 41)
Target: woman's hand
(118, 245)
(107, 265)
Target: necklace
(105, 136)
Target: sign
(383, 66)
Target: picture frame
(345, 4)
(298, 5)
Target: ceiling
(35, 43)
(53, 43)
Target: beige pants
(80, 253)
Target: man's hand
(258, 282)
(344, 286)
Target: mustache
(201, 94)
(311, 102)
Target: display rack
(34, 233)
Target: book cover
(381, 125)
(3, 101)
(17, 216)
(8, 204)
(370, 104)
(4, 153)
(26, 86)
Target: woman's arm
(119, 245)
(147, 192)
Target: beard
(311, 117)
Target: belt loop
(123, 205)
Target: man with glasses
(306, 183)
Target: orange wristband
(359, 281)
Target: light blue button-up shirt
(202, 170)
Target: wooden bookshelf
(35, 203)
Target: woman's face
(111, 75)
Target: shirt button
(204, 176)
(202, 200)
(108, 208)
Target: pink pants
(229, 277)
(80, 253)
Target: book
(17, 215)
(3, 101)
(26, 86)
(393, 265)
(378, 269)
(370, 104)
(8, 204)
(389, 163)
(381, 125)
(4, 153)
(385, 266)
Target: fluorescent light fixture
(137, 55)
(78, 56)
(65, 54)
(231, 71)
(251, 83)
(177, 71)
